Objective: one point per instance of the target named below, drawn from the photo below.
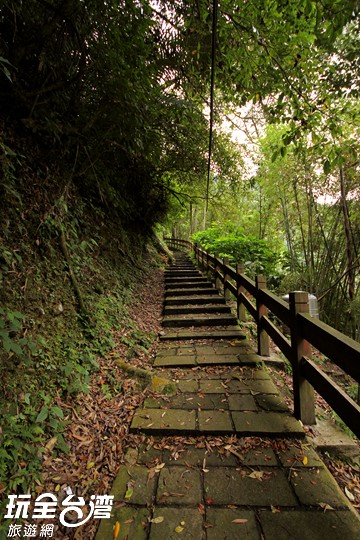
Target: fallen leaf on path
(257, 475)
(116, 530)
(325, 506)
(201, 509)
(239, 520)
(349, 495)
(129, 493)
(51, 443)
(158, 519)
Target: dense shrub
(230, 241)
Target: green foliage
(232, 242)
(10, 325)
(47, 354)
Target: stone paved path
(244, 469)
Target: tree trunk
(347, 228)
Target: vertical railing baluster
(262, 336)
(226, 278)
(241, 312)
(304, 404)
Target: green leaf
(15, 348)
(129, 493)
(327, 166)
(6, 342)
(43, 414)
(56, 411)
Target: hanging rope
(212, 85)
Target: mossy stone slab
(133, 485)
(249, 358)
(237, 385)
(242, 402)
(260, 457)
(271, 402)
(216, 422)
(233, 486)
(190, 521)
(167, 352)
(267, 423)
(257, 373)
(340, 525)
(257, 386)
(217, 359)
(174, 361)
(294, 456)
(221, 526)
(199, 457)
(133, 524)
(167, 421)
(212, 386)
(317, 487)
(187, 385)
(180, 486)
(188, 401)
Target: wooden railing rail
(305, 332)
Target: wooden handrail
(305, 331)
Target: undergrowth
(48, 348)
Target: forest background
(104, 139)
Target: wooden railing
(305, 332)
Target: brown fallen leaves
(98, 423)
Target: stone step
(161, 421)
(186, 282)
(196, 334)
(188, 285)
(203, 308)
(191, 291)
(195, 300)
(198, 320)
(183, 265)
(183, 279)
(182, 273)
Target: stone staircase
(222, 457)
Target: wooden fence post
(304, 404)
(241, 313)
(226, 278)
(262, 336)
(207, 261)
(217, 269)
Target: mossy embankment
(69, 265)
